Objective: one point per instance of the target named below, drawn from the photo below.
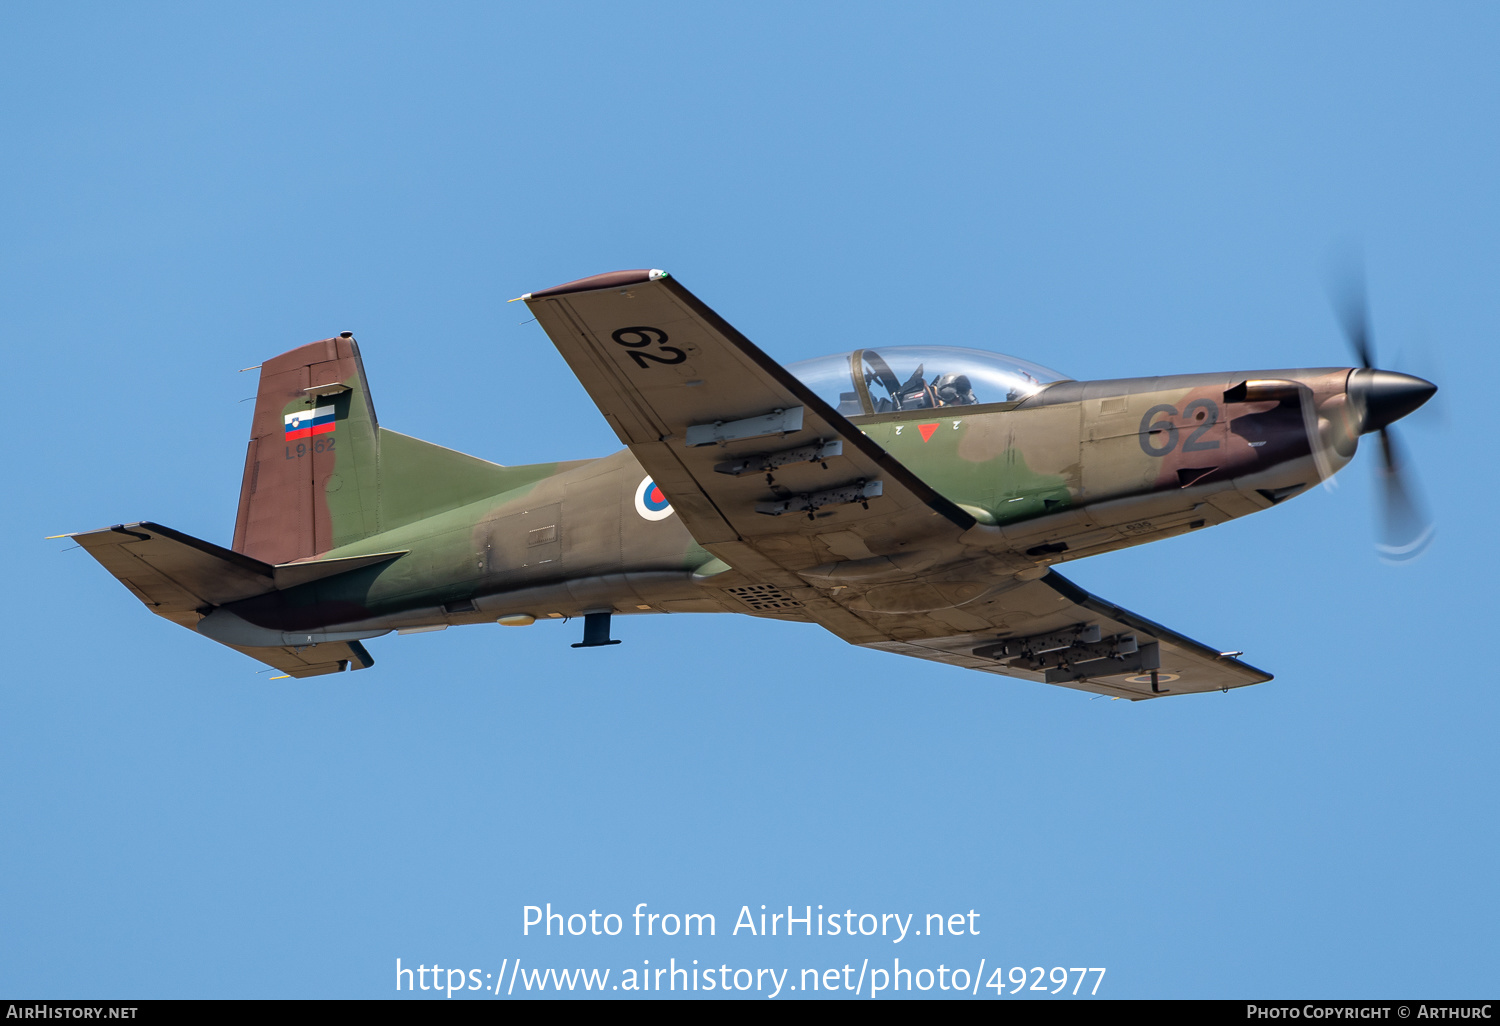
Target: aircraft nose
(1387, 396)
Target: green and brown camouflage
(926, 531)
(1086, 467)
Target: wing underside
(765, 475)
(1052, 631)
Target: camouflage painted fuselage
(1074, 470)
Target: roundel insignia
(1161, 678)
(650, 502)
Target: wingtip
(608, 280)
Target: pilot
(954, 390)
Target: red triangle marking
(927, 430)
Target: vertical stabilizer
(310, 473)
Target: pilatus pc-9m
(907, 498)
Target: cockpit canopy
(894, 378)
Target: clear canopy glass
(894, 378)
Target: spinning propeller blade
(1383, 397)
(1405, 530)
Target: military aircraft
(912, 499)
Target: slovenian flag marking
(309, 423)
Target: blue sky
(1110, 190)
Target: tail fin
(311, 471)
(321, 472)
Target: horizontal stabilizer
(313, 660)
(289, 575)
(175, 574)
(183, 578)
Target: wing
(698, 404)
(819, 522)
(1053, 631)
(764, 473)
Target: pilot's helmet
(954, 390)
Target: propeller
(1384, 397)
